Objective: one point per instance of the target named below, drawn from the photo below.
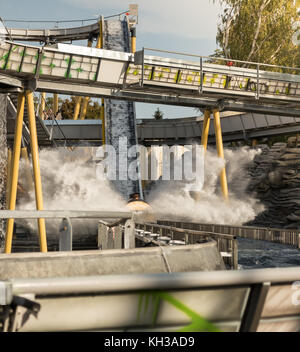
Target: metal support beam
(205, 129)
(133, 39)
(15, 170)
(61, 214)
(254, 307)
(100, 36)
(3, 163)
(65, 235)
(36, 169)
(103, 120)
(220, 150)
(100, 45)
(129, 234)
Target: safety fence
(226, 243)
(63, 237)
(284, 236)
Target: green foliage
(68, 106)
(258, 31)
(158, 115)
(152, 301)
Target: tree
(158, 115)
(258, 31)
(67, 107)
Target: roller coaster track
(56, 35)
(53, 35)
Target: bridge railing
(285, 236)
(226, 243)
(65, 228)
(209, 74)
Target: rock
(292, 142)
(275, 179)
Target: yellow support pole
(55, 103)
(102, 115)
(133, 39)
(15, 170)
(36, 169)
(205, 129)
(100, 45)
(42, 105)
(219, 143)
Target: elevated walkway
(70, 69)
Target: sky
(188, 26)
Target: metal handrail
(61, 214)
(222, 58)
(225, 242)
(257, 71)
(160, 281)
(53, 119)
(66, 21)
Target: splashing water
(170, 200)
(70, 183)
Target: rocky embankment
(275, 179)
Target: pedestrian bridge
(198, 82)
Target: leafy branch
(154, 300)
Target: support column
(15, 170)
(102, 110)
(219, 143)
(3, 164)
(102, 116)
(36, 169)
(99, 44)
(133, 39)
(205, 129)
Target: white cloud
(190, 18)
